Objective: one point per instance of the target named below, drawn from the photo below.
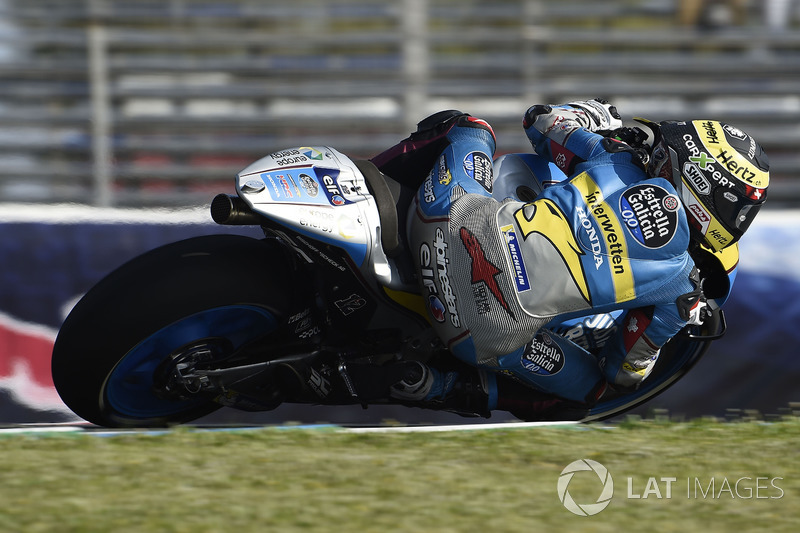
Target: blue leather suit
(496, 273)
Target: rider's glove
(558, 121)
(698, 312)
(596, 115)
(543, 122)
(693, 306)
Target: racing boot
(305, 381)
(410, 161)
(463, 391)
(529, 404)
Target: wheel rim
(129, 388)
(666, 376)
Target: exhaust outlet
(229, 210)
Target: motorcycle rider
(627, 230)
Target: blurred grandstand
(113, 102)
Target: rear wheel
(200, 298)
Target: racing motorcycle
(205, 323)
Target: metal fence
(114, 102)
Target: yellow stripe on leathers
(616, 242)
(545, 218)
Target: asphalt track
(87, 429)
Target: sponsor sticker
(700, 214)
(311, 153)
(521, 279)
(720, 144)
(478, 166)
(650, 213)
(436, 308)
(328, 178)
(320, 219)
(274, 187)
(428, 193)
(442, 271)
(296, 156)
(289, 185)
(288, 157)
(734, 132)
(696, 178)
(285, 184)
(309, 185)
(602, 228)
(542, 356)
(483, 272)
(445, 177)
(434, 266)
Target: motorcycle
(205, 323)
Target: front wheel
(213, 293)
(677, 357)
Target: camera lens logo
(585, 509)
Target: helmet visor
(664, 163)
(735, 212)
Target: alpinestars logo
(482, 269)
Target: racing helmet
(720, 173)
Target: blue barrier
(756, 365)
(48, 262)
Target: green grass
(324, 480)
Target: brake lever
(723, 326)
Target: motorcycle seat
(379, 186)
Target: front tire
(677, 358)
(225, 287)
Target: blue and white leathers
(494, 274)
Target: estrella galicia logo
(478, 166)
(650, 213)
(542, 356)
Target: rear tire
(221, 286)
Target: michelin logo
(512, 244)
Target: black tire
(677, 357)
(150, 293)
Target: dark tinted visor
(735, 212)
(664, 162)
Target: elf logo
(329, 179)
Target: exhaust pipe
(230, 210)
